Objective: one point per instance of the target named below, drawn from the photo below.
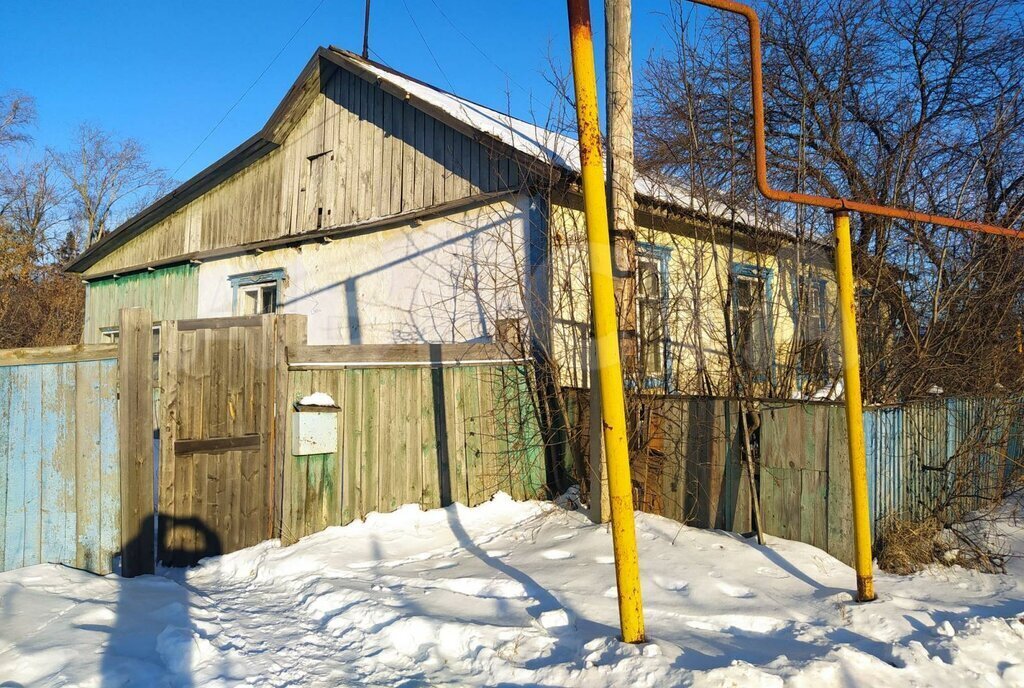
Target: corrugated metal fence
(950, 451)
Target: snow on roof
(544, 144)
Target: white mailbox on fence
(315, 425)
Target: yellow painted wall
(700, 261)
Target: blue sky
(166, 72)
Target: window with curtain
(812, 331)
(751, 329)
(652, 308)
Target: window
(257, 299)
(652, 312)
(812, 331)
(751, 331)
(257, 293)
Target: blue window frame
(256, 293)
(752, 331)
(652, 300)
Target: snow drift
(509, 594)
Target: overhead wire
(249, 88)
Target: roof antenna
(366, 32)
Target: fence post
(135, 434)
(279, 333)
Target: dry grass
(907, 546)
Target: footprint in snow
(672, 584)
(564, 536)
(496, 553)
(604, 559)
(737, 591)
(556, 554)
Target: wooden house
(390, 211)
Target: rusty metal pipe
(761, 165)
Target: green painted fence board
(389, 450)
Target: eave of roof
(255, 147)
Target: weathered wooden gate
(217, 489)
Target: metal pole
(366, 32)
(613, 408)
(854, 409)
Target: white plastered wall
(445, 280)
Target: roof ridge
(451, 94)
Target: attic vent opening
(320, 218)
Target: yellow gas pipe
(854, 409)
(613, 406)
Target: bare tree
(48, 208)
(891, 101)
(108, 178)
(17, 111)
(39, 303)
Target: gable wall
(357, 153)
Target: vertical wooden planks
(51, 464)
(178, 364)
(388, 440)
(369, 470)
(352, 445)
(294, 473)
(414, 401)
(5, 445)
(490, 474)
(110, 506)
(135, 420)
(14, 518)
(88, 476)
(57, 456)
(477, 489)
(840, 509)
(455, 411)
(430, 496)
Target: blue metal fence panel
(871, 457)
(911, 450)
(889, 461)
(59, 473)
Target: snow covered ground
(509, 594)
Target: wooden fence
(427, 425)
(59, 475)
(423, 424)
(919, 455)
(69, 449)
(693, 471)
(804, 478)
